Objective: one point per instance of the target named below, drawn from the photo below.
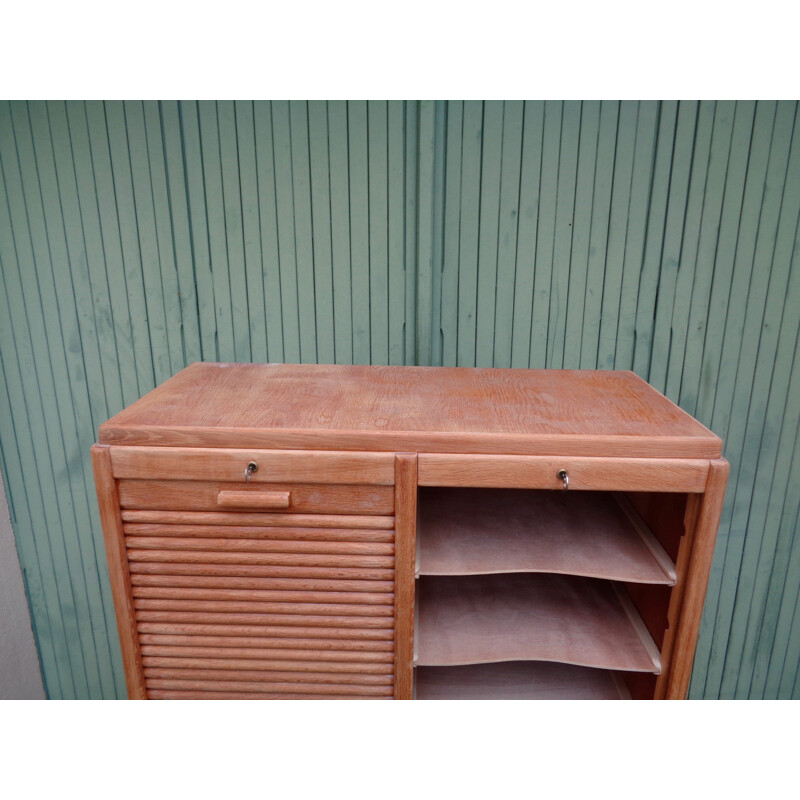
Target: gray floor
(20, 675)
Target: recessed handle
(231, 499)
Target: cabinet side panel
(405, 504)
(702, 553)
(108, 501)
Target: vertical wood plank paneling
(468, 232)
(178, 217)
(508, 229)
(268, 224)
(232, 227)
(529, 201)
(321, 230)
(581, 232)
(599, 233)
(340, 231)
(451, 264)
(491, 161)
(137, 237)
(198, 226)
(251, 230)
(562, 237)
(639, 208)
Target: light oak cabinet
(280, 531)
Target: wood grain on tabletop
(412, 408)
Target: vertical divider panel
(108, 500)
(405, 517)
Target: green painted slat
(762, 444)
(396, 234)
(359, 230)
(472, 137)
(301, 190)
(723, 572)
(562, 236)
(217, 237)
(673, 237)
(251, 230)
(581, 232)
(159, 201)
(716, 317)
(489, 193)
(619, 217)
(425, 233)
(635, 239)
(321, 228)
(340, 231)
(198, 227)
(654, 237)
(268, 223)
(784, 492)
(32, 399)
(684, 283)
(545, 234)
(181, 231)
(507, 233)
(412, 226)
(66, 447)
(719, 161)
(378, 232)
(284, 194)
(751, 394)
(529, 200)
(448, 317)
(77, 429)
(26, 512)
(598, 237)
(439, 161)
(163, 329)
(42, 599)
(231, 213)
(131, 345)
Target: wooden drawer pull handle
(254, 499)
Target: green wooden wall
(136, 238)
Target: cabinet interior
(543, 594)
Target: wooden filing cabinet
(311, 531)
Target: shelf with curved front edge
(485, 531)
(519, 680)
(533, 617)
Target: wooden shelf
(484, 531)
(519, 680)
(537, 617)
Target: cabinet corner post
(114, 537)
(405, 515)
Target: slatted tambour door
(260, 589)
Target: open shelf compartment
(536, 617)
(484, 531)
(519, 680)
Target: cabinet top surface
(425, 409)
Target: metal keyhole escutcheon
(249, 470)
(563, 476)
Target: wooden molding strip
(274, 466)
(540, 472)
